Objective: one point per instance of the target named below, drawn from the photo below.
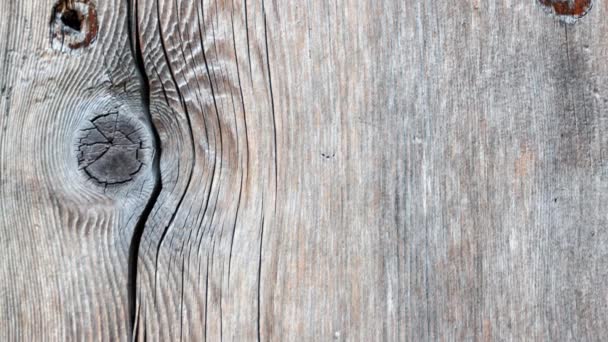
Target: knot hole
(73, 24)
(72, 19)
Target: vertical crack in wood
(276, 173)
(192, 146)
(132, 21)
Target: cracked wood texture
(354, 171)
(65, 239)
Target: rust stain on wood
(575, 8)
(74, 24)
(92, 29)
(524, 162)
(487, 330)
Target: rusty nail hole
(73, 24)
(568, 10)
(72, 19)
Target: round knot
(111, 149)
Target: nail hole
(72, 19)
(73, 25)
(568, 10)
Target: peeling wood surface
(304, 170)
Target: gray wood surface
(65, 233)
(305, 170)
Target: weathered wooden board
(358, 170)
(65, 229)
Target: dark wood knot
(73, 25)
(111, 149)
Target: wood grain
(65, 238)
(212, 105)
(352, 171)
(374, 171)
